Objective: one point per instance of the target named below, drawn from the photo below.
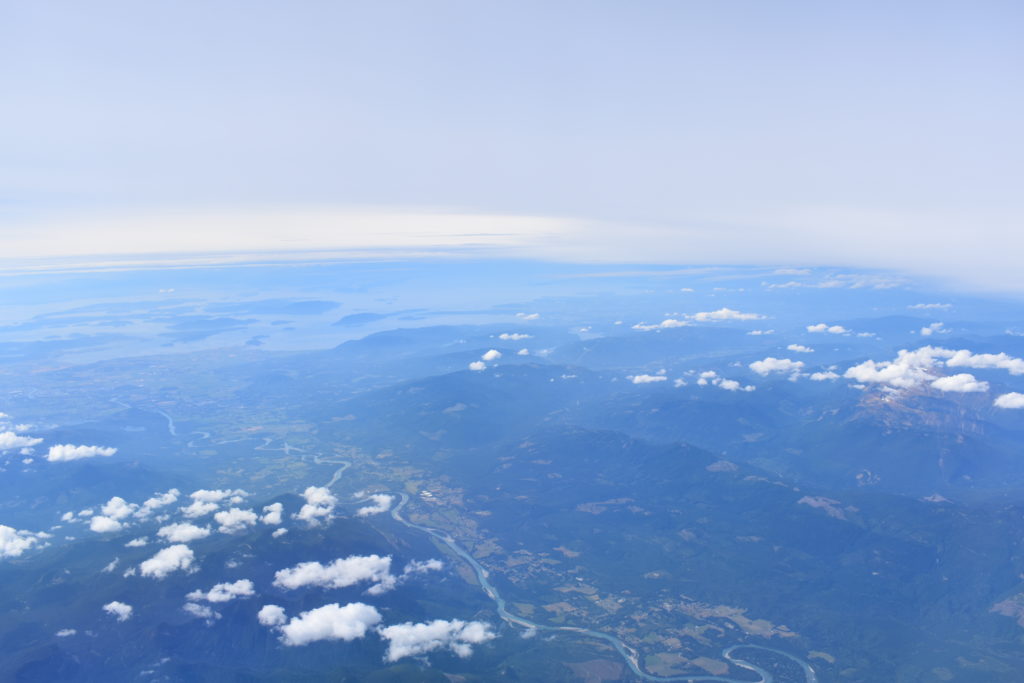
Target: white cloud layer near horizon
(821, 236)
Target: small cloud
(170, 559)
(478, 365)
(927, 307)
(381, 503)
(118, 609)
(14, 542)
(666, 324)
(235, 520)
(758, 333)
(800, 348)
(224, 592)
(65, 632)
(330, 622)
(278, 533)
(960, 383)
(137, 543)
(934, 328)
(493, 354)
(202, 612)
(182, 532)
(831, 329)
(205, 501)
(823, 376)
(771, 365)
(528, 316)
(410, 640)
(67, 452)
(319, 505)
(523, 352)
(726, 314)
(10, 440)
(158, 501)
(102, 524)
(271, 615)
(340, 573)
(272, 513)
(1012, 400)
(118, 508)
(646, 379)
(514, 336)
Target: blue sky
(868, 133)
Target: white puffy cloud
(118, 508)
(770, 365)
(758, 333)
(278, 533)
(831, 329)
(172, 558)
(726, 314)
(137, 543)
(118, 609)
(319, 505)
(523, 352)
(272, 513)
(422, 567)
(514, 336)
(823, 376)
(934, 328)
(340, 573)
(65, 632)
(182, 532)
(66, 452)
(104, 525)
(201, 612)
(409, 639)
(979, 361)
(960, 383)
(478, 365)
(224, 592)
(271, 615)
(666, 324)
(10, 440)
(493, 354)
(1010, 400)
(205, 501)
(731, 385)
(112, 566)
(14, 542)
(381, 503)
(646, 379)
(235, 520)
(158, 500)
(330, 622)
(800, 348)
(909, 369)
(914, 368)
(710, 377)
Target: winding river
(629, 654)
